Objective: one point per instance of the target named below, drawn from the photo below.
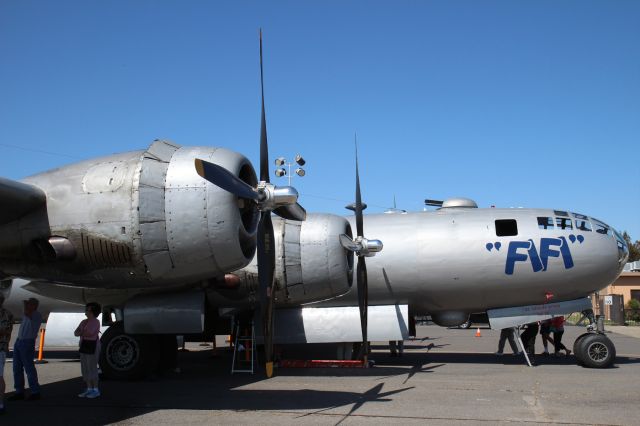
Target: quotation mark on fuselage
(497, 245)
(573, 238)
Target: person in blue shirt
(24, 352)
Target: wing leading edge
(18, 199)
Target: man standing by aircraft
(24, 351)
(6, 326)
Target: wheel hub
(123, 353)
(598, 351)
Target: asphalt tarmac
(446, 376)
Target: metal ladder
(244, 348)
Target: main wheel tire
(127, 356)
(576, 348)
(596, 351)
(465, 325)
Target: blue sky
(513, 104)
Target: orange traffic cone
(478, 332)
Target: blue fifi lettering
(536, 264)
(546, 251)
(513, 256)
(566, 254)
(539, 261)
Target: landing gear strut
(594, 349)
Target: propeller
(362, 247)
(268, 198)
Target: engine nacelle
(142, 219)
(311, 265)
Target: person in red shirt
(557, 327)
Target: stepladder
(244, 347)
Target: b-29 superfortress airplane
(170, 238)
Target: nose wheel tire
(594, 350)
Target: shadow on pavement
(204, 384)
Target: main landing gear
(594, 349)
(134, 356)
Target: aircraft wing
(18, 199)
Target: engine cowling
(135, 220)
(311, 265)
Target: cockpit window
(560, 213)
(564, 223)
(601, 227)
(580, 216)
(545, 223)
(623, 250)
(506, 227)
(583, 225)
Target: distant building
(625, 288)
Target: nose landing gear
(594, 349)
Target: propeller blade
(358, 206)
(348, 243)
(266, 266)
(292, 212)
(363, 303)
(226, 180)
(264, 148)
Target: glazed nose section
(623, 249)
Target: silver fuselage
(447, 260)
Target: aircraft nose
(623, 248)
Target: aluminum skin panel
(105, 177)
(153, 172)
(154, 237)
(203, 221)
(167, 313)
(151, 209)
(325, 269)
(151, 204)
(158, 264)
(520, 315)
(69, 205)
(292, 257)
(187, 230)
(341, 324)
(162, 150)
